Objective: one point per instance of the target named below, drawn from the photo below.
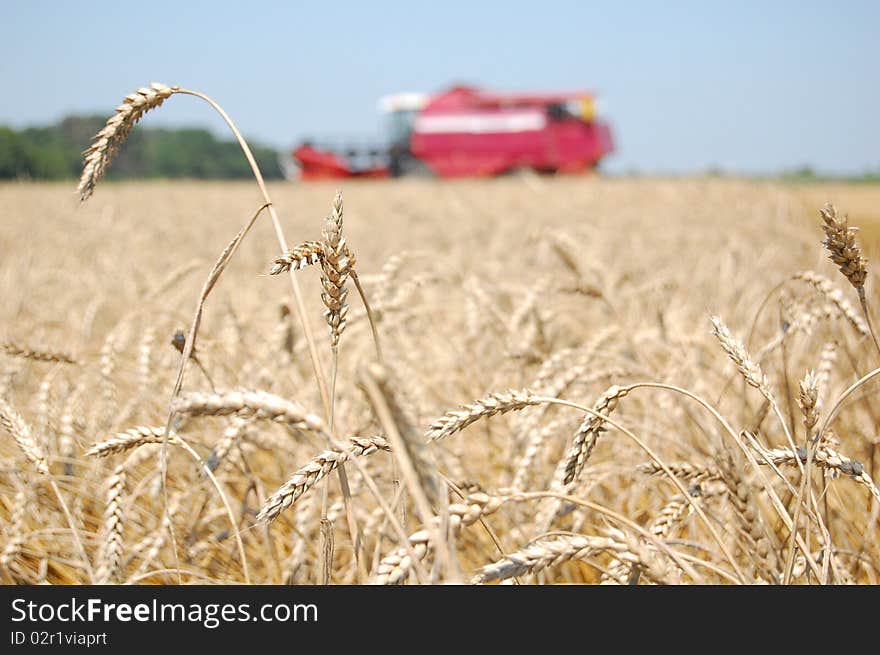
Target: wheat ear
(114, 133)
(394, 568)
(37, 355)
(305, 254)
(551, 551)
(808, 400)
(257, 404)
(834, 295)
(682, 470)
(495, 403)
(336, 266)
(541, 554)
(14, 529)
(825, 458)
(13, 423)
(758, 548)
(843, 250)
(840, 242)
(20, 431)
(314, 470)
(129, 439)
(748, 367)
(114, 521)
(588, 433)
(232, 435)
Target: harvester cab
(400, 110)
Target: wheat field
(554, 401)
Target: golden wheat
(506, 292)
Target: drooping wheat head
(589, 432)
(316, 469)
(113, 135)
(840, 241)
(303, 255)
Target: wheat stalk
(45, 407)
(70, 427)
(414, 462)
(551, 387)
(750, 369)
(108, 360)
(412, 453)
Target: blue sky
(747, 86)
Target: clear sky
(746, 86)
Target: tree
(55, 152)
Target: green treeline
(55, 152)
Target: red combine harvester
(470, 132)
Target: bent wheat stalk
(109, 139)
